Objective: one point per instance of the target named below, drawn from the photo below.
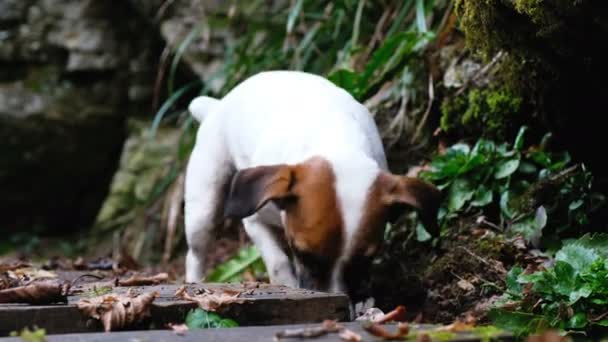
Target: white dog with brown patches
(300, 161)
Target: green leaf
(504, 205)
(460, 193)
(231, 270)
(519, 323)
(483, 196)
(519, 140)
(603, 323)
(577, 255)
(531, 226)
(578, 321)
(293, 15)
(527, 168)
(506, 168)
(201, 319)
(421, 233)
(513, 285)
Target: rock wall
(71, 71)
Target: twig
(481, 72)
(475, 256)
(427, 112)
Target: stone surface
(265, 305)
(247, 334)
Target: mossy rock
(144, 161)
(554, 61)
(492, 113)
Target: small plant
(523, 189)
(571, 295)
(27, 335)
(201, 319)
(248, 258)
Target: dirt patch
(457, 279)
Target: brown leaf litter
(211, 300)
(118, 311)
(137, 280)
(37, 292)
(327, 327)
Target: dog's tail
(201, 106)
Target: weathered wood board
(266, 305)
(242, 334)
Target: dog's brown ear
(252, 188)
(403, 190)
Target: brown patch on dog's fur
(314, 223)
(305, 191)
(386, 198)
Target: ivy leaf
(577, 321)
(519, 140)
(506, 168)
(483, 196)
(460, 193)
(421, 233)
(519, 323)
(577, 255)
(513, 285)
(504, 205)
(201, 319)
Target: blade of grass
(181, 48)
(420, 16)
(293, 15)
(167, 105)
(357, 23)
(407, 6)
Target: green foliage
(248, 258)
(572, 295)
(488, 112)
(202, 319)
(27, 335)
(529, 188)
(393, 53)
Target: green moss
(487, 112)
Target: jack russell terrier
(301, 162)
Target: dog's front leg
(277, 263)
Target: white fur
(281, 117)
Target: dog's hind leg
(207, 177)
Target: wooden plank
(265, 305)
(242, 334)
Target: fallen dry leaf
(30, 273)
(13, 266)
(179, 329)
(118, 311)
(403, 329)
(548, 336)
(397, 315)
(211, 300)
(455, 327)
(328, 326)
(37, 292)
(136, 280)
(349, 336)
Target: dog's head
(334, 214)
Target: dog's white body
(280, 117)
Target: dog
(301, 163)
